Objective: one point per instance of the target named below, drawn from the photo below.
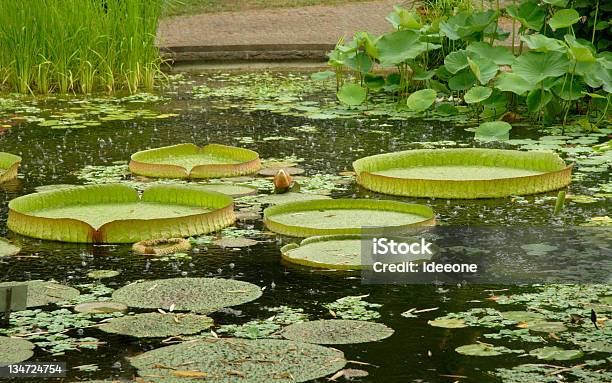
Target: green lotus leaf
(493, 131)
(551, 327)
(15, 350)
(499, 55)
(537, 99)
(477, 94)
(285, 360)
(484, 69)
(557, 3)
(374, 82)
(481, 349)
(564, 18)
(535, 67)
(341, 252)
(463, 80)
(337, 331)
(41, 293)
(278, 199)
(200, 295)
(555, 353)
(191, 161)
(568, 89)
(9, 165)
(230, 189)
(582, 52)
(511, 82)
(324, 75)
(448, 323)
(352, 94)
(462, 173)
(401, 18)
(104, 307)
(359, 62)
(541, 43)
(455, 61)
(344, 216)
(7, 248)
(421, 100)
(529, 14)
(114, 213)
(523, 316)
(101, 274)
(157, 325)
(401, 46)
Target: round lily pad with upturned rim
(200, 295)
(191, 161)
(462, 173)
(157, 325)
(239, 361)
(115, 213)
(162, 246)
(337, 331)
(9, 166)
(345, 216)
(448, 323)
(7, 248)
(341, 252)
(15, 350)
(41, 293)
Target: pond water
(416, 352)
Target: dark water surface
(415, 353)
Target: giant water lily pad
(462, 173)
(15, 350)
(191, 161)
(187, 294)
(239, 361)
(337, 331)
(483, 349)
(9, 165)
(345, 216)
(115, 213)
(41, 293)
(157, 325)
(555, 353)
(103, 307)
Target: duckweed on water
(353, 307)
(266, 328)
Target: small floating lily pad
(482, 349)
(230, 189)
(7, 248)
(187, 294)
(115, 213)
(462, 173)
(9, 165)
(337, 331)
(342, 252)
(235, 242)
(101, 274)
(157, 325)
(239, 361)
(162, 246)
(41, 293)
(448, 323)
(15, 350)
(191, 161)
(523, 316)
(278, 199)
(345, 216)
(547, 327)
(104, 307)
(555, 353)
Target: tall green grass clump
(78, 46)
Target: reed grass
(78, 46)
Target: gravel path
(317, 24)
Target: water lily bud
(282, 180)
